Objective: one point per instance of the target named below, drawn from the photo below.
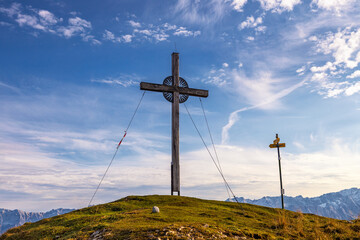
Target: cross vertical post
(176, 90)
(175, 164)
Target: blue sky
(69, 83)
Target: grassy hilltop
(184, 218)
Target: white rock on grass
(155, 209)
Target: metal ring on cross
(168, 81)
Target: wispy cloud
(337, 6)
(218, 77)
(4, 85)
(260, 101)
(150, 32)
(123, 80)
(182, 31)
(57, 163)
(46, 21)
(134, 24)
(13, 10)
(250, 22)
(343, 47)
(238, 5)
(53, 181)
(355, 74)
(76, 26)
(254, 23)
(202, 12)
(251, 168)
(127, 38)
(279, 5)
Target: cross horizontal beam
(164, 88)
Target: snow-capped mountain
(341, 205)
(14, 218)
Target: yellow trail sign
(276, 145)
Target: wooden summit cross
(176, 90)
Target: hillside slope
(184, 218)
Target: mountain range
(14, 218)
(344, 204)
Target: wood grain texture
(175, 126)
(163, 88)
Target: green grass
(184, 218)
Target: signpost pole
(281, 186)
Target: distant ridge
(15, 218)
(344, 204)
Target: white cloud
(127, 38)
(260, 91)
(162, 32)
(13, 10)
(300, 71)
(260, 29)
(313, 38)
(201, 11)
(182, 31)
(47, 18)
(247, 169)
(225, 65)
(238, 4)
(124, 80)
(250, 38)
(218, 77)
(262, 88)
(108, 35)
(168, 26)
(355, 74)
(46, 21)
(328, 66)
(250, 22)
(344, 49)
(91, 39)
(79, 22)
(334, 5)
(160, 37)
(134, 24)
(343, 45)
(76, 26)
(52, 181)
(15, 89)
(44, 180)
(279, 5)
(352, 89)
(5, 24)
(27, 20)
(145, 31)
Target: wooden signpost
(175, 90)
(278, 145)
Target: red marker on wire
(121, 140)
